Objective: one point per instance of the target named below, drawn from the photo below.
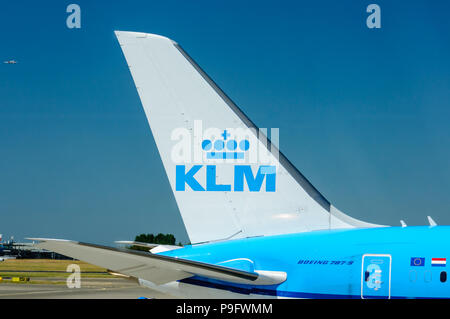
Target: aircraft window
(443, 276)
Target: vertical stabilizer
(228, 180)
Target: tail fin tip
(132, 34)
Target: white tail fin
(226, 182)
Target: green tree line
(160, 239)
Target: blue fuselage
(388, 262)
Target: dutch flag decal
(438, 262)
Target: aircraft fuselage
(390, 262)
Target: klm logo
(242, 174)
(226, 149)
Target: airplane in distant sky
(10, 62)
(258, 227)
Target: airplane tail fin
(229, 180)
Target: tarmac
(92, 288)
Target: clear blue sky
(363, 113)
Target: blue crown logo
(225, 149)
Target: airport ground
(46, 279)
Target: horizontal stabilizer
(153, 248)
(155, 268)
(136, 243)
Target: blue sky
(363, 113)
